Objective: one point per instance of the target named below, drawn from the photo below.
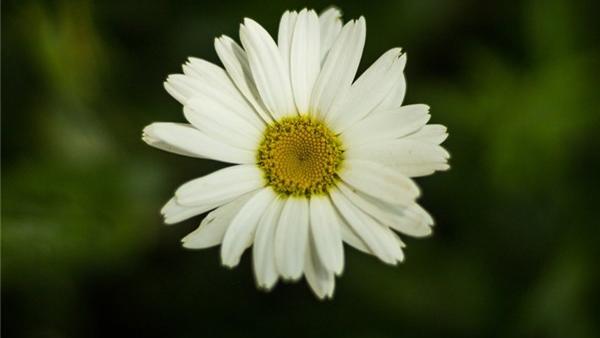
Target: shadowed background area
(515, 247)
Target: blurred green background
(515, 250)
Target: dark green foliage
(515, 248)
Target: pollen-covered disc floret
(300, 156)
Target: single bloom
(318, 158)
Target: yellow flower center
(300, 156)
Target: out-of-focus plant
(513, 252)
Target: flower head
(319, 159)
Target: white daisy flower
(318, 158)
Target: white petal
(235, 60)
(216, 87)
(379, 181)
(218, 96)
(411, 220)
(331, 26)
(339, 68)
(378, 238)
(208, 73)
(263, 253)
(151, 140)
(411, 158)
(220, 185)
(217, 121)
(184, 139)
(368, 91)
(319, 278)
(401, 245)
(291, 238)
(431, 133)
(390, 124)
(284, 36)
(180, 90)
(416, 222)
(268, 69)
(212, 228)
(240, 234)
(395, 95)
(174, 212)
(351, 238)
(326, 233)
(305, 58)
